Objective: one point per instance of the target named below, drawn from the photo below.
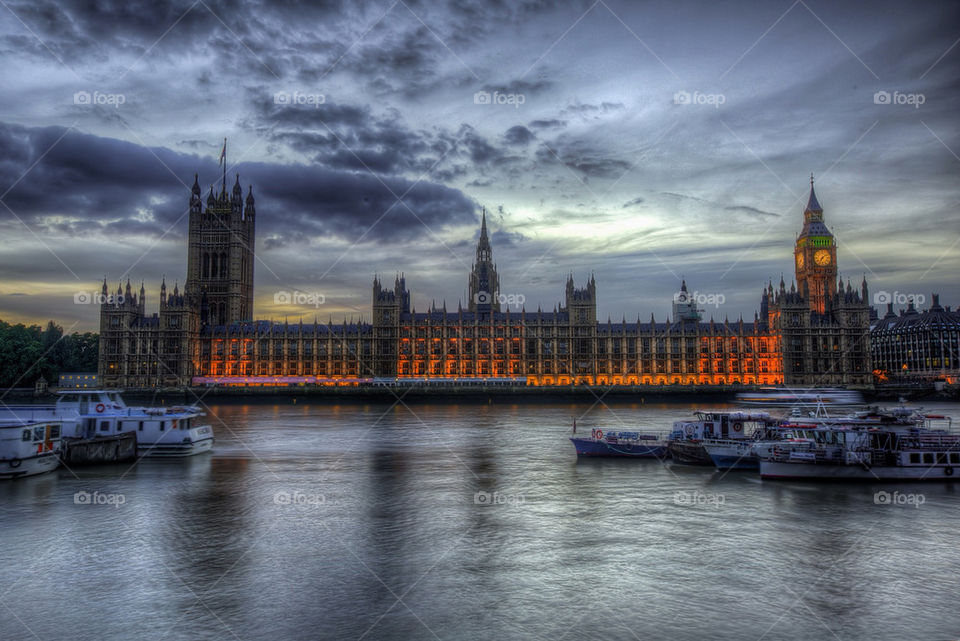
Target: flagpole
(224, 165)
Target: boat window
(954, 457)
(104, 426)
(162, 423)
(941, 459)
(185, 424)
(914, 457)
(27, 435)
(54, 431)
(140, 427)
(928, 458)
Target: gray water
(353, 521)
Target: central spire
(812, 204)
(484, 251)
(484, 282)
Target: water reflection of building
(815, 332)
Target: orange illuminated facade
(490, 341)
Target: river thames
(471, 521)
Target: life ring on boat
(738, 427)
(14, 462)
(100, 408)
(948, 471)
(599, 434)
(689, 430)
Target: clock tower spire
(816, 255)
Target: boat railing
(626, 437)
(30, 412)
(781, 453)
(930, 442)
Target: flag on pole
(223, 152)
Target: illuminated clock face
(799, 261)
(822, 257)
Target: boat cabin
(722, 425)
(103, 413)
(90, 401)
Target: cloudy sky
(640, 142)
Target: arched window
(206, 265)
(223, 265)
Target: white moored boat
(88, 414)
(28, 448)
(859, 453)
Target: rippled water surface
(465, 521)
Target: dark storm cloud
(481, 21)
(352, 138)
(636, 201)
(96, 180)
(749, 210)
(713, 205)
(95, 29)
(401, 59)
(345, 137)
(502, 239)
(87, 185)
(313, 201)
(548, 123)
(587, 110)
(519, 86)
(582, 158)
(518, 135)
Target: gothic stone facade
(814, 333)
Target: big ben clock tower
(816, 255)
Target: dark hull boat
(117, 448)
(620, 444)
(689, 439)
(591, 447)
(689, 453)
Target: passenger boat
(28, 448)
(686, 440)
(792, 429)
(861, 453)
(620, 444)
(91, 415)
(787, 397)
(736, 451)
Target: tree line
(28, 352)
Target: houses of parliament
(814, 332)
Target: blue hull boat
(587, 446)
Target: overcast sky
(640, 142)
